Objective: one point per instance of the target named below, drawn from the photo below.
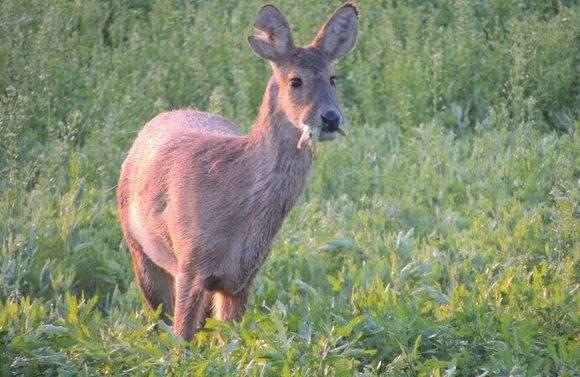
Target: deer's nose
(330, 120)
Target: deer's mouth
(332, 128)
(330, 133)
(315, 134)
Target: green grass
(440, 238)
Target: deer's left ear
(338, 35)
(275, 40)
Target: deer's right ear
(275, 42)
(338, 35)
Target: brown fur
(200, 204)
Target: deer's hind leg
(155, 283)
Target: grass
(440, 238)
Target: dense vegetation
(440, 238)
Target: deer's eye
(333, 80)
(296, 82)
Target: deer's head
(303, 75)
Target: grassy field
(440, 238)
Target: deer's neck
(275, 140)
(280, 172)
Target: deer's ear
(275, 40)
(338, 35)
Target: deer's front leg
(229, 307)
(190, 304)
(238, 276)
(230, 292)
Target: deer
(200, 203)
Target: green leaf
(346, 329)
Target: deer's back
(159, 162)
(180, 122)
